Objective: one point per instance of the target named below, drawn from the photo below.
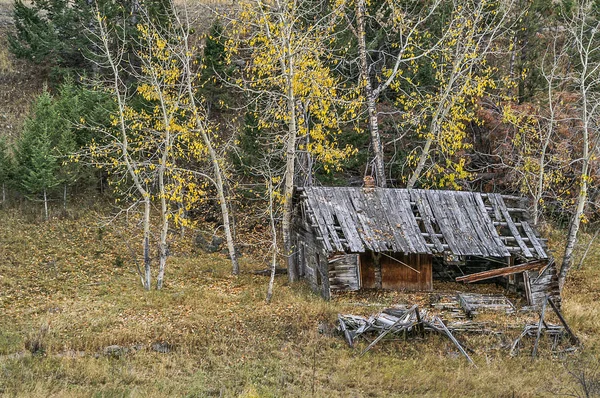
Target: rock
(137, 347)
(326, 328)
(217, 241)
(238, 252)
(71, 354)
(210, 247)
(115, 350)
(162, 347)
(201, 242)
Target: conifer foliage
(37, 162)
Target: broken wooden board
(473, 303)
(505, 271)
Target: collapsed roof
(355, 220)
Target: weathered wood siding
(344, 272)
(537, 285)
(394, 274)
(310, 257)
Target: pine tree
(40, 174)
(59, 33)
(215, 69)
(37, 165)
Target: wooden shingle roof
(349, 219)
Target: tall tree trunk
(290, 161)
(370, 96)
(588, 107)
(146, 243)
(214, 158)
(273, 243)
(164, 218)
(45, 204)
(576, 220)
(3, 192)
(419, 169)
(235, 267)
(65, 197)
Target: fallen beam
(539, 328)
(574, 338)
(480, 276)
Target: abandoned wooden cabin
(348, 238)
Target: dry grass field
(69, 294)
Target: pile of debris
(411, 321)
(395, 321)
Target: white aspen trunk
(130, 164)
(370, 96)
(219, 185)
(235, 267)
(419, 169)
(540, 181)
(290, 162)
(214, 158)
(589, 104)
(542, 174)
(3, 192)
(45, 204)
(581, 201)
(146, 244)
(574, 228)
(164, 217)
(65, 197)
(273, 243)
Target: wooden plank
(539, 328)
(564, 322)
(394, 219)
(471, 221)
(474, 219)
(461, 234)
(348, 223)
(511, 225)
(427, 217)
(493, 232)
(480, 276)
(373, 219)
(456, 343)
(346, 331)
(386, 331)
(363, 227)
(495, 209)
(368, 236)
(324, 203)
(409, 219)
(465, 305)
(320, 221)
(381, 227)
(437, 208)
(405, 219)
(534, 240)
(527, 283)
(485, 227)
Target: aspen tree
(582, 27)
(200, 126)
(406, 23)
(462, 76)
(284, 41)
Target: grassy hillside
(68, 289)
